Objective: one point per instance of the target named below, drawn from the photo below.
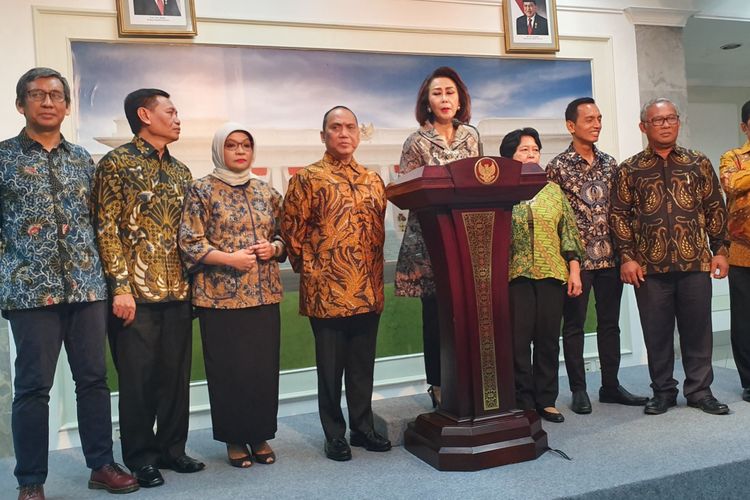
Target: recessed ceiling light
(731, 46)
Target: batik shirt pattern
(139, 199)
(544, 236)
(734, 170)
(414, 275)
(668, 214)
(48, 250)
(333, 225)
(588, 188)
(227, 218)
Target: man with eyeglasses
(52, 288)
(669, 224)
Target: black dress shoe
(148, 476)
(746, 394)
(338, 449)
(711, 405)
(371, 441)
(550, 416)
(620, 395)
(183, 465)
(659, 404)
(581, 403)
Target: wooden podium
(464, 209)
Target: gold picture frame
(537, 34)
(158, 18)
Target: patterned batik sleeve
(276, 208)
(553, 172)
(411, 156)
(296, 210)
(571, 247)
(108, 201)
(734, 179)
(92, 192)
(194, 245)
(621, 216)
(714, 209)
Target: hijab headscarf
(221, 171)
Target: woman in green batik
(546, 251)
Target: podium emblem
(486, 170)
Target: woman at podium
(546, 251)
(443, 106)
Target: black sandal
(264, 458)
(242, 462)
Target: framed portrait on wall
(164, 18)
(530, 26)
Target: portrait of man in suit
(531, 23)
(156, 7)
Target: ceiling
(706, 63)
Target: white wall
(428, 26)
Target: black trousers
(153, 356)
(431, 339)
(739, 299)
(608, 291)
(536, 310)
(39, 334)
(685, 296)
(345, 346)
(241, 352)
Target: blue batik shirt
(48, 252)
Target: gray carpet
(618, 452)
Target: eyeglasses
(233, 146)
(661, 120)
(39, 95)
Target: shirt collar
(745, 148)
(428, 131)
(146, 149)
(330, 160)
(678, 150)
(576, 157)
(27, 142)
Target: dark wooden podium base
(446, 444)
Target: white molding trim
(654, 16)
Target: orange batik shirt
(734, 171)
(333, 226)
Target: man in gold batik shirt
(333, 225)
(668, 222)
(735, 179)
(139, 195)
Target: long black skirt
(241, 352)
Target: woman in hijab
(229, 238)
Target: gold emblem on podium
(486, 170)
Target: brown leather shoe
(31, 492)
(113, 478)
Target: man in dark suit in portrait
(157, 8)
(531, 23)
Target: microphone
(457, 122)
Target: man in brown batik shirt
(668, 223)
(333, 225)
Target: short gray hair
(34, 73)
(653, 102)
